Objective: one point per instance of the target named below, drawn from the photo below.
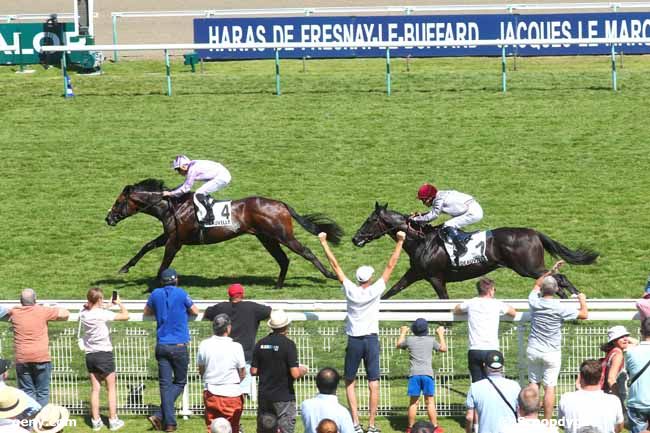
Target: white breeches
(213, 185)
(473, 215)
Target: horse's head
(380, 222)
(133, 199)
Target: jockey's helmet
(179, 161)
(427, 191)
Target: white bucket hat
(220, 425)
(279, 319)
(52, 418)
(616, 332)
(364, 273)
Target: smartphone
(114, 297)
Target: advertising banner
(30, 37)
(430, 28)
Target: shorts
(421, 385)
(100, 363)
(276, 416)
(639, 419)
(543, 368)
(364, 348)
(217, 406)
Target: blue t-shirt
(170, 304)
(493, 412)
(635, 359)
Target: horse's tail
(577, 257)
(315, 223)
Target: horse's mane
(149, 185)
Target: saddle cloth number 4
(222, 213)
(221, 210)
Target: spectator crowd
(611, 393)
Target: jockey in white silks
(215, 176)
(463, 209)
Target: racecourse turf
(560, 152)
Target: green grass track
(560, 152)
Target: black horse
(271, 221)
(519, 249)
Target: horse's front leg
(171, 248)
(439, 285)
(410, 277)
(156, 243)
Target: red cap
(236, 290)
(427, 191)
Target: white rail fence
(613, 42)
(35, 17)
(319, 336)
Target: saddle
(475, 243)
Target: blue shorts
(364, 348)
(421, 385)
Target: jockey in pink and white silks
(463, 208)
(215, 176)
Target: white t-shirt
(483, 322)
(222, 359)
(11, 426)
(526, 425)
(363, 307)
(590, 408)
(96, 333)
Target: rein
(371, 236)
(418, 232)
(150, 205)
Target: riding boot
(458, 239)
(209, 215)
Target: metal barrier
(278, 46)
(321, 341)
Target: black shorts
(100, 363)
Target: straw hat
(279, 319)
(52, 418)
(12, 402)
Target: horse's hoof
(574, 296)
(123, 270)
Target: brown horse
(269, 220)
(519, 249)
